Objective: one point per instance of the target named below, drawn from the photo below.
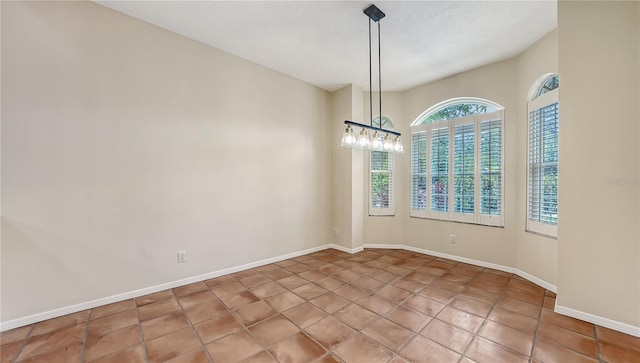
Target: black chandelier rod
(347, 122)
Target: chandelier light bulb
(376, 142)
(397, 145)
(348, 138)
(363, 140)
(387, 145)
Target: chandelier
(377, 141)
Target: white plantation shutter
(381, 183)
(419, 172)
(542, 193)
(464, 171)
(491, 171)
(439, 173)
(461, 161)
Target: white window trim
(450, 215)
(545, 229)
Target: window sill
(460, 222)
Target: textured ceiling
(325, 42)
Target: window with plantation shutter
(490, 169)
(464, 168)
(419, 171)
(381, 200)
(542, 188)
(439, 183)
(457, 163)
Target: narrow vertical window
(381, 167)
(542, 188)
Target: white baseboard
(525, 275)
(15, 323)
(598, 320)
(346, 249)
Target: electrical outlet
(452, 238)
(182, 256)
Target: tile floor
(330, 306)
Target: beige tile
(420, 347)
(461, 319)
(165, 324)
(133, 354)
(195, 356)
(298, 348)
(546, 351)
(273, 330)
(509, 337)
(197, 298)
(45, 343)
(360, 349)
(304, 315)
(205, 311)
(113, 342)
(408, 318)
(216, 328)
(389, 334)
(231, 287)
(255, 312)
(236, 300)
(190, 289)
(15, 335)
(485, 351)
(356, 316)
(153, 298)
(285, 301)
(233, 348)
(330, 332)
(65, 321)
(105, 310)
(448, 335)
(330, 302)
(69, 353)
(172, 345)
(157, 309)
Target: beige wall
(123, 143)
(599, 240)
(347, 167)
(494, 82)
(536, 255)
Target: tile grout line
(535, 334)
(190, 325)
(24, 343)
(598, 350)
(140, 333)
(86, 337)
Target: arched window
(542, 161)
(457, 162)
(381, 201)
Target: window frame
(390, 211)
(427, 128)
(540, 101)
